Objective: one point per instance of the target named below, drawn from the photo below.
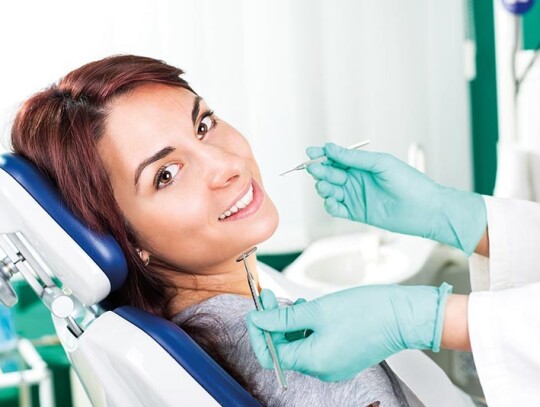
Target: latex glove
(352, 329)
(270, 302)
(380, 190)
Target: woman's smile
(184, 180)
(249, 203)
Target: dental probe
(323, 158)
(259, 307)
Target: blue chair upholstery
(103, 249)
(191, 356)
(106, 253)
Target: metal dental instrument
(323, 158)
(259, 307)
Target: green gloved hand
(380, 190)
(352, 329)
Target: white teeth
(241, 204)
(247, 199)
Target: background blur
(452, 86)
(288, 74)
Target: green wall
(531, 27)
(483, 91)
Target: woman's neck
(231, 278)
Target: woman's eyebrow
(195, 111)
(147, 161)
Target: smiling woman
(178, 173)
(138, 154)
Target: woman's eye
(166, 175)
(204, 126)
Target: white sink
(339, 262)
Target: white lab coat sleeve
(504, 322)
(514, 236)
(504, 328)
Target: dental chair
(123, 356)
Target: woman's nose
(223, 168)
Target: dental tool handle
(277, 367)
(254, 293)
(259, 307)
(303, 166)
(322, 159)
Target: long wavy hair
(58, 130)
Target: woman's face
(186, 181)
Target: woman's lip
(242, 194)
(254, 205)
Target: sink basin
(354, 268)
(339, 262)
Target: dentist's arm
(455, 333)
(483, 245)
(380, 190)
(360, 327)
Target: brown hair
(58, 130)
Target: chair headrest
(103, 251)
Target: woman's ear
(144, 255)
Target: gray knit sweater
(377, 385)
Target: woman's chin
(265, 228)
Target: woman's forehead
(145, 120)
(151, 111)
(157, 97)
